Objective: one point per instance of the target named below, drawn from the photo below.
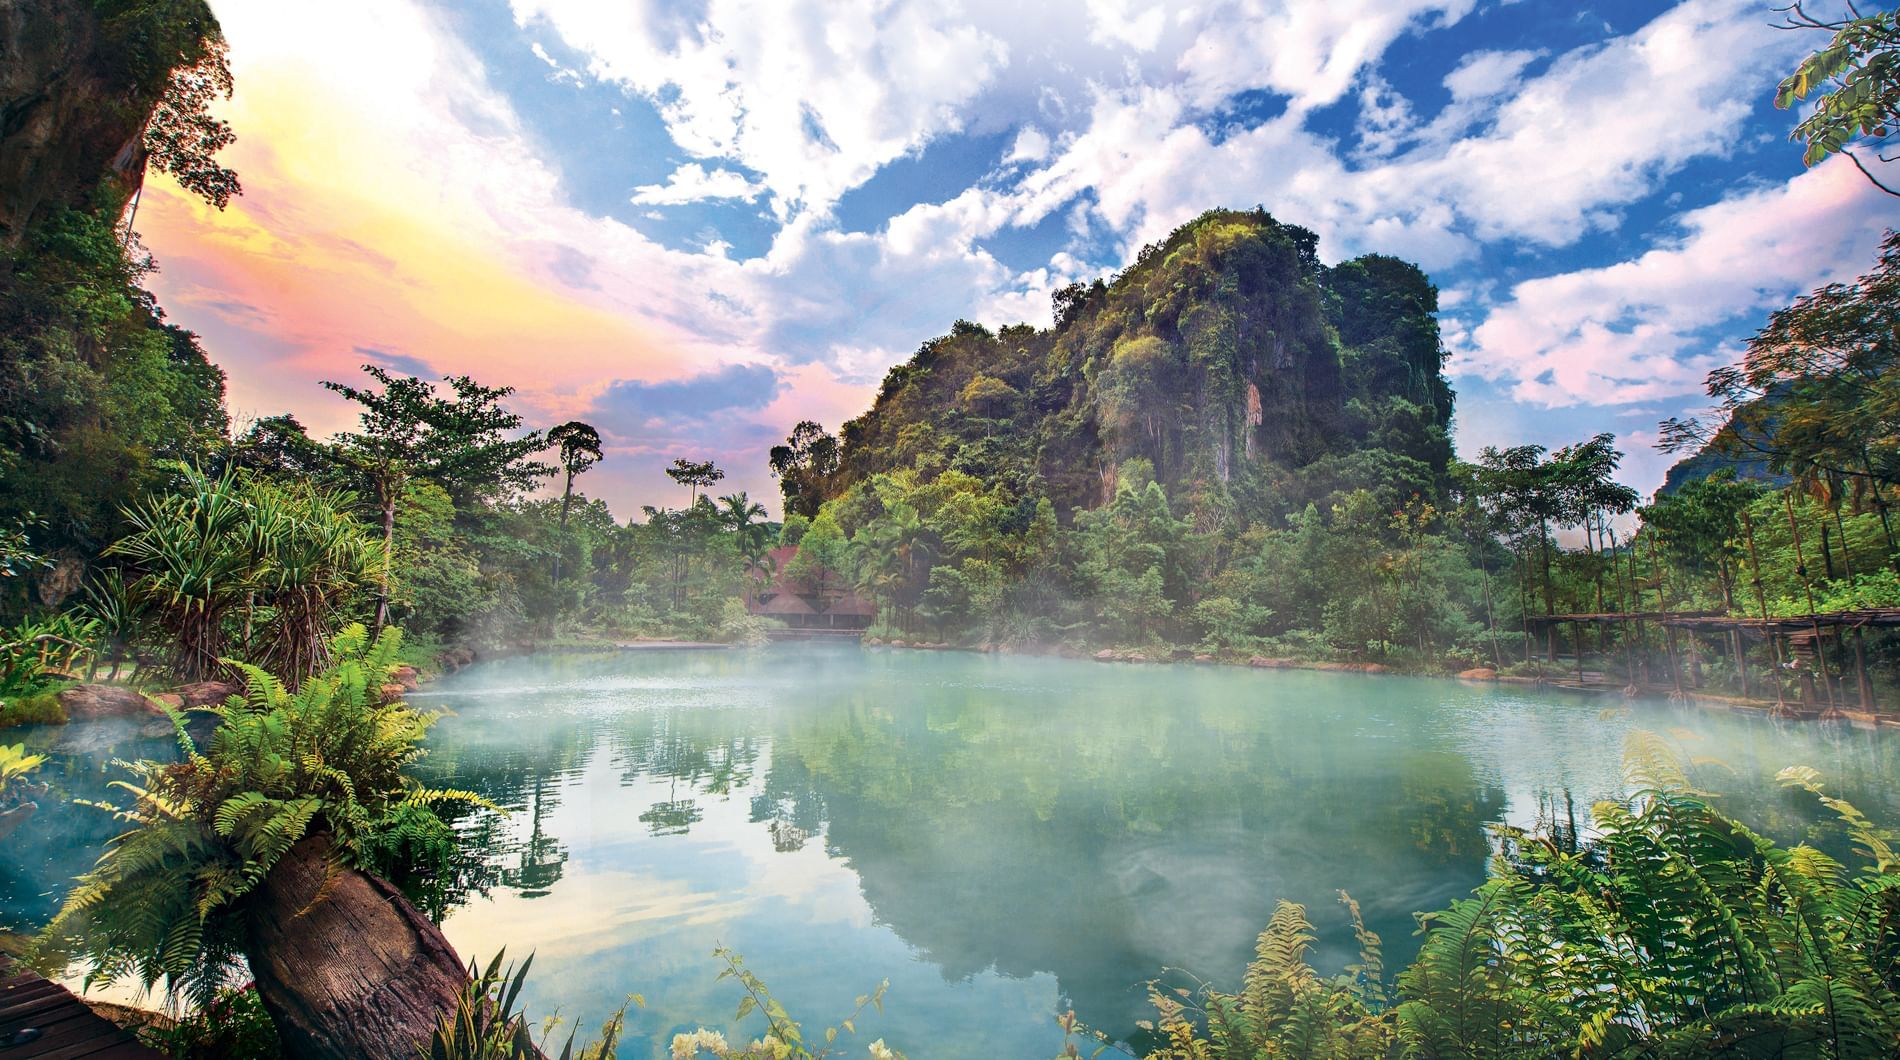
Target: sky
(694, 223)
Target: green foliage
(1284, 1008)
(94, 387)
(487, 1025)
(39, 708)
(233, 1025)
(1855, 83)
(38, 651)
(1673, 931)
(329, 758)
(273, 566)
(15, 765)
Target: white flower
(880, 1051)
(687, 1046)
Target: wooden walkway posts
(1801, 569)
(1798, 630)
(1761, 601)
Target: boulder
(1135, 657)
(1203, 658)
(1105, 655)
(392, 692)
(87, 702)
(407, 677)
(1478, 673)
(206, 693)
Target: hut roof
(852, 604)
(784, 604)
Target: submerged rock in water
(16, 817)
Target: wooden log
(346, 966)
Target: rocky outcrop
(87, 702)
(64, 119)
(1478, 673)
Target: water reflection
(1004, 837)
(1001, 838)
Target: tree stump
(357, 973)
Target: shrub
(233, 1025)
(40, 708)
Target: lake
(1001, 837)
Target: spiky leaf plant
(242, 558)
(166, 900)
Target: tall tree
(1818, 389)
(804, 466)
(578, 447)
(694, 475)
(743, 516)
(468, 444)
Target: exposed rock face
(1225, 359)
(88, 702)
(1478, 673)
(64, 118)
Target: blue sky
(699, 222)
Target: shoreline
(1705, 700)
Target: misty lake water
(1001, 837)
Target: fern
(1675, 931)
(329, 756)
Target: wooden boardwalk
(68, 1029)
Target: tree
(694, 475)
(804, 466)
(1855, 82)
(579, 447)
(743, 516)
(1818, 389)
(468, 444)
(183, 139)
(283, 558)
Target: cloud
(814, 97)
(693, 182)
(634, 409)
(1638, 330)
(1488, 73)
(397, 362)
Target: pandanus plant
(237, 553)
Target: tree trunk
(356, 972)
(389, 551)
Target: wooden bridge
(66, 1028)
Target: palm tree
(745, 518)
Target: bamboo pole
(1801, 568)
(1761, 601)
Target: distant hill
(1226, 361)
(1724, 452)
